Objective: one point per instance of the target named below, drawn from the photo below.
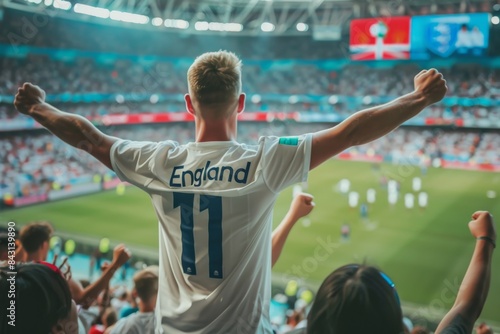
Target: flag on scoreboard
(380, 38)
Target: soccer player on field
(214, 197)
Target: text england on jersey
(183, 178)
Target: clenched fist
(482, 225)
(28, 97)
(301, 205)
(121, 254)
(431, 84)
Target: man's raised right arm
(373, 123)
(73, 129)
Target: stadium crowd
(74, 306)
(328, 87)
(51, 300)
(35, 164)
(84, 75)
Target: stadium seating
(32, 165)
(91, 88)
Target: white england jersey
(214, 202)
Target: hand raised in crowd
(301, 205)
(28, 97)
(482, 225)
(64, 267)
(121, 254)
(431, 84)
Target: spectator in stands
(131, 308)
(86, 296)
(207, 299)
(42, 301)
(362, 299)
(108, 318)
(120, 299)
(146, 291)
(35, 238)
(356, 299)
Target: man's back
(214, 201)
(215, 100)
(136, 323)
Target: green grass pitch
(425, 252)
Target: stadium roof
(248, 17)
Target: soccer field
(425, 252)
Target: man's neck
(35, 256)
(215, 131)
(146, 307)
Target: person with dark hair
(464, 40)
(35, 238)
(359, 299)
(108, 318)
(356, 299)
(214, 197)
(42, 301)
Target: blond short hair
(214, 78)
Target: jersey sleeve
(286, 160)
(133, 161)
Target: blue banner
(455, 35)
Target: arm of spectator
(73, 129)
(370, 124)
(86, 297)
(301, 206)
(475, 285)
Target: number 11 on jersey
(213, 204)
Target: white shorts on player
(353, 199)
(417, 184)
(409, 201)
(371, 195)
(344, 186)
(422, 199)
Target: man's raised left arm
(75, 130)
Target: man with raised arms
(215, 230)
